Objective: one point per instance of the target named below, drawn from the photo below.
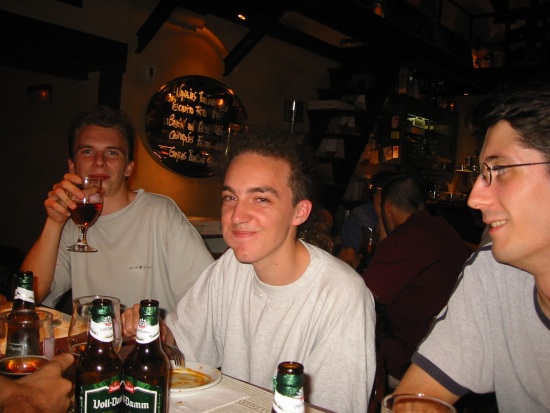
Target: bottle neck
(23, 299)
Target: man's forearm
(42, 258)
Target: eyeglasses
(373, 187)
(487, 171)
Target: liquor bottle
(147, 368)
(288, 388)
(99, 370)
(23, 339)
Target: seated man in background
(494, 334)
(360, 218)
(273, 296)
(146, 246)
(413, 270)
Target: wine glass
(86, 212)
(77, 337)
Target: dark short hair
(283, 146)
(407, 191)
(105, 117)
(526, 108)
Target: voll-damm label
(142, 397)
(103, 397)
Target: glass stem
(82, 238)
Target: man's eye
(500, 171)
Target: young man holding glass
(146, 246)
(494, 334)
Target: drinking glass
(415, 403)
(32, 338)
(86, 212)
(77, 337)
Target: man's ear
(71, 166)
(302, 211)
(129, 169)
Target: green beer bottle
(99, 370)
(147, 368)
(23, 339)
(288, 388)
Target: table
(236, 396)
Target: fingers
(64, 360)
(59, 199)
(130, 319)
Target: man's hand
(45, 390)
(130, 320)
(59, 199)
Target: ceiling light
(241, 16)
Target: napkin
(205, 400)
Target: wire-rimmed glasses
(486, 171)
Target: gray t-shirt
(325, 320)
(493, 336)
(146, 250)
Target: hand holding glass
(86, 212)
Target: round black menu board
(189, 123)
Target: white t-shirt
(493, 336)
(146, 250)
(324, 320)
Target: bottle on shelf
(23, 340)
(147, 368)
(288, 388)
(99, 370)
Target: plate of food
(194, 377)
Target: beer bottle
(23, 339)
(288, 388)
(99, 370)
(147, 368)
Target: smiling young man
(146, 246)
(273, 297)
(494, 334)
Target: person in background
(146, 246)
(364, 216)
(272, 296)
(44, 391)
(494, 334)
(413, 270)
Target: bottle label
(102, 397)
(143, 397)
(285, 404)
(146, 333)
(24, 295)
(102, 331)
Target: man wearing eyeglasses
(494, 334)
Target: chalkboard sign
(189, 123)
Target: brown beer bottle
(288, 388)
(99, 370)
(147, 368)
(25, 339)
